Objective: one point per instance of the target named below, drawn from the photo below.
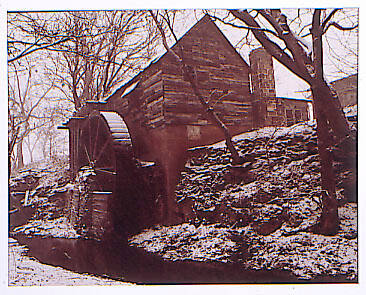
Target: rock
(262, 196)
(239, 174)
(186, 209)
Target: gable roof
(206, 19)
(227, 43)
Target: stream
(117, 260)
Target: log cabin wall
(222, 77)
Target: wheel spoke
(96, 140)
(108, 168)
(97, 149)
(105, 171)
(105, 145)
(87, 154)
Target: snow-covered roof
(130, 88)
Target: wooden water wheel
(104, 146)
(104, 137)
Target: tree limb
(339, 27)
(243, 27)
(176, 56)
(26, 52)
(328, 18)
(273, 48)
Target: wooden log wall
(219, 69)
(143, 106)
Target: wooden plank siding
(152, 97)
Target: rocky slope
(259, 213)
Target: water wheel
(104, 137)
(105, 147)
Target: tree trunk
(328, 101)
(328, 117)
(329, 220)
(20, 159)
(30, 150)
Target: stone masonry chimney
(267, 109)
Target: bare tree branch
(243, 27)
(328, 18)
(27, 51)
(339, 27)
(274, 49)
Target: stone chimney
(267, 109)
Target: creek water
(117, 260)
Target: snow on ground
(185, 241)
(27, 271)
(304, 254)
(270, 132)
(270, 205)
(55, 228)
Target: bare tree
(81, 55)
(91, 51)
(28, 34)
(271, 28)
(29, 97)
(112, 46)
